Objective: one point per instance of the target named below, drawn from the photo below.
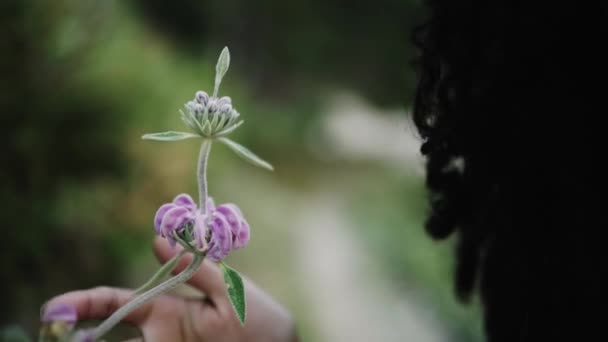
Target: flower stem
(202, 175)
(162, 272)
(136, 302)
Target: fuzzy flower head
(210, 117)
(217, 232)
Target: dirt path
(350, 298)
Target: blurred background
(324, 87)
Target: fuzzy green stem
(136, 302)
(202, 175)
(162, 272)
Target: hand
(173, 318)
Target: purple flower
(238, 226)
(229, 230)
(219, 231)
(175, 216)
(59, 312)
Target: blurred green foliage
(293, 47)
(59, 134)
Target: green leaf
(223, 62)
(246, 154)
(13, 334)
(236, 291)
(169, 136)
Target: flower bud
(202, 97)
(211, 117)
(191, 106)
(212, 106)
(199, 109)
(224, 100)
(226, 108)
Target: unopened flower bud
(224, 100)
(212, 107)
(199, 109)
(202, 97)
(211, 117)
(190, 105)
(226, 108)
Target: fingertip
(99, 303)
(70, 298)
(161, 246)
(80, 300)
(210, 280)
(163, 250)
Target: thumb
(209, 278)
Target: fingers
(101, 302)
(209, 279)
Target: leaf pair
(239, 149)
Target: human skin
(175, 318)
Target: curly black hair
(509, 105)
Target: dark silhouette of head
(509, 105)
